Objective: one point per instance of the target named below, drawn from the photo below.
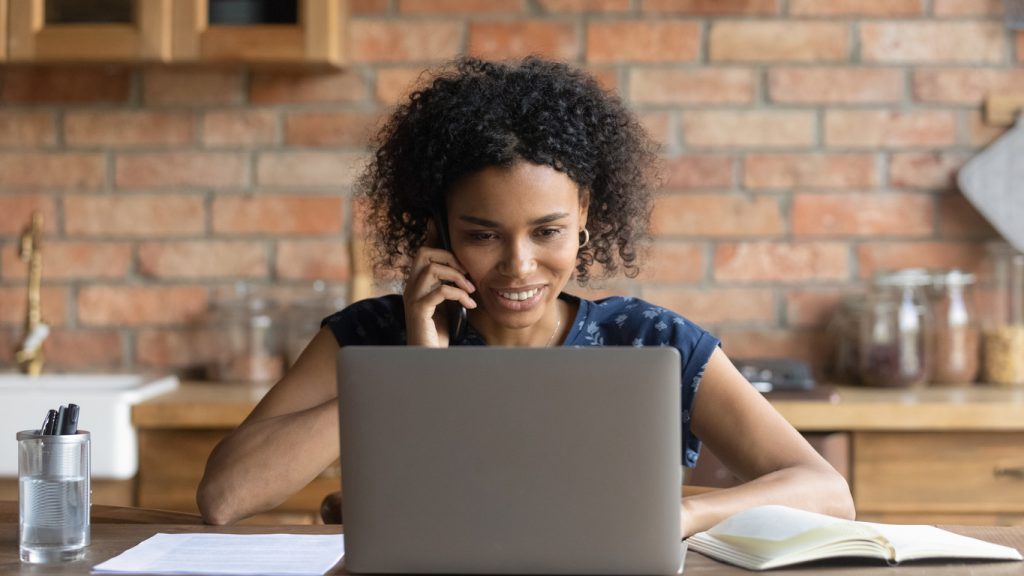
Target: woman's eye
(549, 233)
(481, 236)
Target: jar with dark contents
(896, 331)
(957, 335)
(844, 331)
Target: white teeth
(520, 295)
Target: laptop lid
(510, 460)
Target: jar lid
(954, 277)
(907, 277)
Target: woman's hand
(436, 276)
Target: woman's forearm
(815, 488)
(263, 462)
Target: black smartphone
(456, 312)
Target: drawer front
(940, 472)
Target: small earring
(584, 237)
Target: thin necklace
(552, 337)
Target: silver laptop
(504, 460)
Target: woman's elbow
(839, 498)
(213, 507)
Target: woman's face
(516, 232)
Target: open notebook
(773, 536)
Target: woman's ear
(584, 207)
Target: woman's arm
(288, 439)
(754, 441)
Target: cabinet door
(102, 31)
(3, 30)
(314, 37)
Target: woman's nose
(519, 260)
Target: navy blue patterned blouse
(615, 321)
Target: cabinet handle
(1015, 472)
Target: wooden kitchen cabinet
(129, 30)
(167, 31)
(317, 36)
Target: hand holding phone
(456, 312)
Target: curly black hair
(474, 114)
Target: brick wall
(807, 143)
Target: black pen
(47, 427)
(70, 420)
(59, 422)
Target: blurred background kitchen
(192, 162)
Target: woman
(532, 175)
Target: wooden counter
(929, 455)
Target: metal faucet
(30, 353)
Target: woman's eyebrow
(536, 222)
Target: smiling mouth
(519, 295)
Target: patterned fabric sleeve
(371, 322)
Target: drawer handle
(1016, 472)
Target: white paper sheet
(272, 554)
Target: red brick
(691, 86)
(781, 262)
(675, 262)
(876, 256)
(953, 8)
(461, 7)
(926, 170)
(18, 208)
(716, 215)
(203, 259)
(860, 214)
(979, 133)
(1020, 47)
(965, 85)
(659, 126)
(305, 169)
(187, 348)
(66, 85)
(141, 216)
(366, 7)
(607, 76)
(14, 301)
(27, 129)
(84, 349)
(889, 128)
(74, 260)
(33, 170)
(239, 128)
(505, 40)
(693, 171)
(140, 305)
(778, 41)
(712, 7)
(605, 6)
(717, 305)
(307, 87)
(394, 41)
(748, 128)
(932, 42)
(192, 87)
(178, 169)
(395, 84)
(877, 8)
(128, 128)
(809, 171)
(958, 219)
(312, 260)
(342, 128)
(834, 85)
(812, 306)
(643, 41)
(810, 346)
(277, 214)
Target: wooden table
(108, 540)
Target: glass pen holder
(53, 496)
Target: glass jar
(956, 329)
(844, 329)
(305, 315)
(247, 331)
(1003, 342)
(896, 331)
